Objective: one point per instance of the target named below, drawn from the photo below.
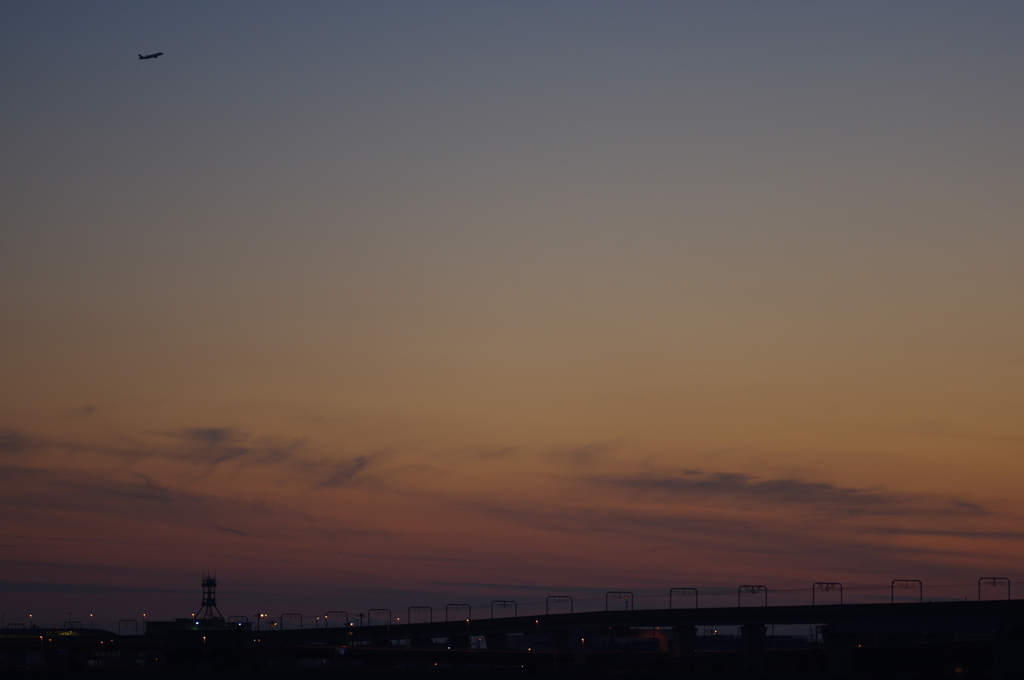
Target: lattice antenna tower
(208, 610)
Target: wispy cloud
(495, 453)
(586, 455)
(30, 496)
(12, 441)
(693, 486)
(211, 436)
(229, 530)
(199, 453)
(979, 533)
(738, 541)
(345, 472)
(241, 487)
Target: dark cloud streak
(694, 486)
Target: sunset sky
(378, 304)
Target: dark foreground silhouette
(151, 56)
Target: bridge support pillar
(1008, 653)
(753, 647)
(459, 642)
(578, 644)
(560, 640)
(496, 641)
(839, 652)
(684, 640)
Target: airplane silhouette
(151, 56)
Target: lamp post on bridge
(752, 590)
(557, 598)
(625, 595)
(905, 583)
(994, 581)
(504, 604)
(428, 610)
(684, 591)
(827, 587)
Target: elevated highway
(912, 617)
(844, 628)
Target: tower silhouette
(208, 609)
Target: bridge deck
(988, 615)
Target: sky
(390, 304)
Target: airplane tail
(141, 57)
